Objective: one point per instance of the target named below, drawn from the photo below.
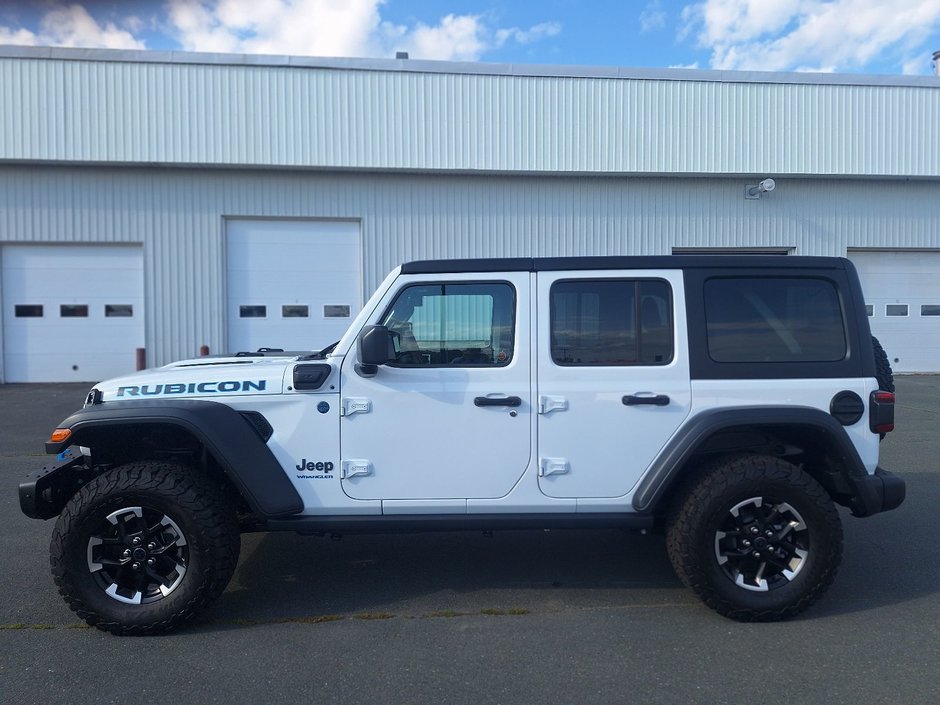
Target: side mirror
(375, 348)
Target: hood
(202, 377)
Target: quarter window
(611, 322)
(456, 325)
(774, 320)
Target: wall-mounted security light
(765, 186)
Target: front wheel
(142, 547)
(756, 538)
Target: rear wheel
(756, 538)
(143, 547)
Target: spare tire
(883, 372)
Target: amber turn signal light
(60, 434)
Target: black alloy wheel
(138, 555)
(762, 544)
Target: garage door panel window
(453, 325)
(118, 311)
(27, 311)
(336, 311)
(252, 311)
(896, 310)
(930, 310)
(870, 309)
(295, 311)
(73, 310)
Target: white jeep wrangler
(731, 401)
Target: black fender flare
(227, 436)
(667, 467)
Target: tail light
(881, 412)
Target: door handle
(646, 398)
(497, 401)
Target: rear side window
(774, 319)
(611, 322)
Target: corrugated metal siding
(179, 215)
(204, 114)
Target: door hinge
(553, 466)
(352, 468)
(547, 404)
(355, 405)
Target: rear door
(450, 418)
(613, 377)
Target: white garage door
(902, 290)
(71, 313)
(292, 284)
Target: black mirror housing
(375, 346)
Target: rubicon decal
(230, 387)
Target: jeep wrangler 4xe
(731, 401)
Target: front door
(450, 417)
(613, 377)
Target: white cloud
(300, 27)
(693, 65)
(527, 36)
(335, 28)
(456, 37)
(18, 36)
(652, 17)
(72, 26)
(817, 35)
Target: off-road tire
(883, 372)
(197, 506)
(704, 503)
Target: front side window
(774, 319)
(611, 322)
(457, 325)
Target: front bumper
(880, 492)
(44, 493)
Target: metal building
(169, 200)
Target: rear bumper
(880, 492)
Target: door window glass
(611, 322)
(457, 325)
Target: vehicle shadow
(285, 577)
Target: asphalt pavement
(526, 617)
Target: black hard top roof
(550, 264)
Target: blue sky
(847, 36)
